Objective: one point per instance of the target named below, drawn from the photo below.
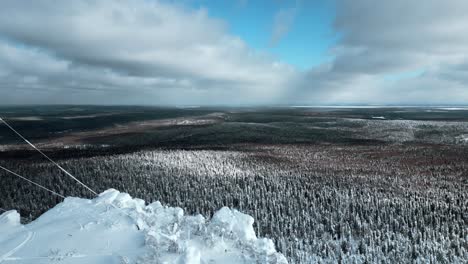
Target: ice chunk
(91, 231)
(234, 222)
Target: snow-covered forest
(318, 203)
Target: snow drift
(116, 228)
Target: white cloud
(283, 21)
(134, 45)
(157, 52)
(382, 38)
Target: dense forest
(322, 203)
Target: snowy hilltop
(116, 228)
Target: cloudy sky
(202, 52)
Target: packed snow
(116, 228)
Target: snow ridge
(116, 228)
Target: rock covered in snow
(10, 219)
(234, 223)
(116, 228)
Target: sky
(234, 52)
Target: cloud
(158, 52)
(283, 21)
(394, 38)
(140, 47)
(242, 3)
(398, 35)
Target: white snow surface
(116, 228)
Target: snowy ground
(115, 228)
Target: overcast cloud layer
(155, 52)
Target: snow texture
(116, 228)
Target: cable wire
(60, 167)
(47, 157)
(32, 182)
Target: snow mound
(116, 228)
(9, 219)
